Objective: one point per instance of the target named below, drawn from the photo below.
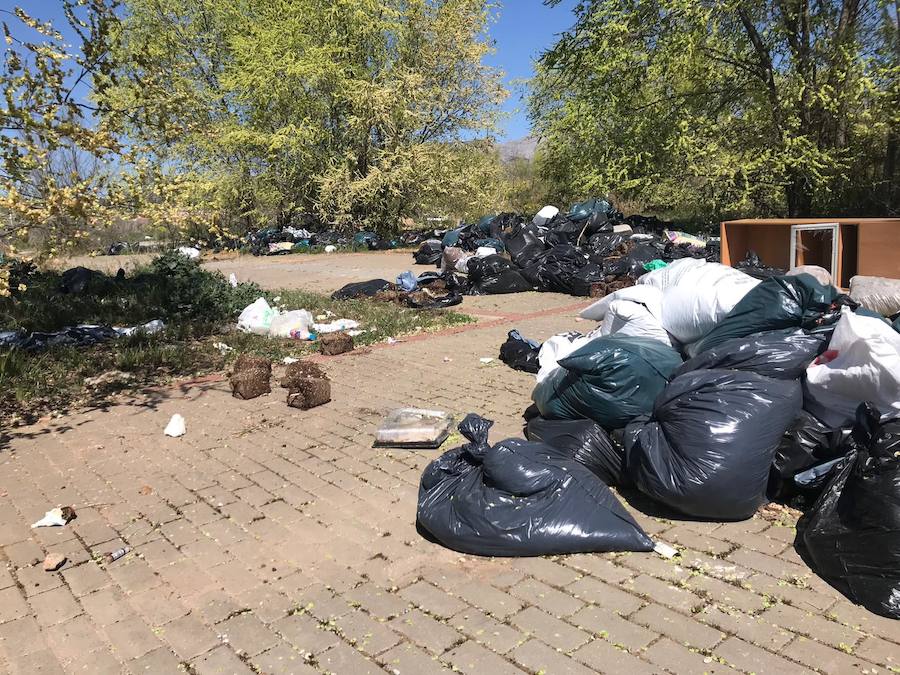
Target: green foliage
(351, 109)
(720, 107)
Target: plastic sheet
(520, 498)
(862, 363)
(776, 303)
(707, 449)
(586, 442)
(519, 353)
(610, 380)
(851, 536)
(782, 354)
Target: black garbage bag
(851, 535)
(117, 248)
(77, 279)
(520, 498)
(524, 244)
(361, 289)
(519, 353)
(504, 224)
(707, 448)
(557, 271)
(605, 244)
(783, 354)
(714, 251)
(753, 266)
(610, 380)
(73, 336)
(429, 253)
(494, 274)
(806, 444)
(480, 269)
(586, 442)
(777, 303)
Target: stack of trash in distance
(589, 251)
(711, 391)
(428, 291)
(307, 236)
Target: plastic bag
(519, 498)
(361, 289)
(610, 380)
(429, 253)
(294, 324)
(754, 267)
(407, 281)
(808, 443)
(556, 348)
(604, 244)
(782, 354)
(256, 317)
(707, 449)
(852, 533)
(776, 303)
(634, 319)
(648, 296)
(862, 363)
(584, 441)
(545, 215)
(876, 293)
(519, 353)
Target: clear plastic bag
(414, 428)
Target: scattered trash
(54, 561)
(232, 279)
(393, 341)
(331, 248)
(333, 344)
(56, 517)
(189, 252)
(447, 359)
(335, 326)
(115, 555)
(407, 280)
(256, 317)
(175, 427)
(222, 347)
(288, 360)
(413, 428)
(355, 333)
(664, 549)
(519, 353)
(486, 360)
(111, 378)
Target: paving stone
(486, 597)
(473, 659)
(220, 661)
(755, 629)
(131, 638)
(365, 633)
(247, 634)
(677, 626)
(432, 599)
(305, 633)
(812, 625)
(677, 658)
(435, 636)
(342, 658)
(282, 660)
(160, 660)
(407, 659)
(486, 630)
(551, 600)
(552, 631)
(604, 657)
(827, 659)
(606, 624)
(752, 659)
(55, 606)
(539, 658)
(188, 637)
(609, 596)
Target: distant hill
(523, 148)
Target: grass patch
(34, 384)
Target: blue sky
(524, 29)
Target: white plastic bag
(256, 317)
(876, 293)
(862, 364)
(294, 324)
(646, 295)
(189, 252)
(176, 426)
(485, 251)
(335, 326)
(545, 215)
(626, 317)
(556, 348)
(671, 274)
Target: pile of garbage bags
(285, 239)
(427, 291)
(710, 392)
(582, 252)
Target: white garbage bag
(876, 293)
(646, 295)
(545, 215)
(862, 363)
(189, 252)
(485, 251)
(556, 348)
(671, 274)
(294, 324)
(634, 319)
(256, 317)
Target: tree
(50, 146)
(719, 107)
(357, 110)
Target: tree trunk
(798, 194)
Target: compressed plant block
(250, 362)
(250, 383)
(333, 344)
(300, 371)
(309, 393)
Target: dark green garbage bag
(778, 302)
(610, 380)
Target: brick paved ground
(278, 541)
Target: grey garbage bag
(586, 442)
(782, 354)
(610, 380)
(707, 448)
(851, 535)
(519, 498)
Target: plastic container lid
(414, 428)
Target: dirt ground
(273, 540)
